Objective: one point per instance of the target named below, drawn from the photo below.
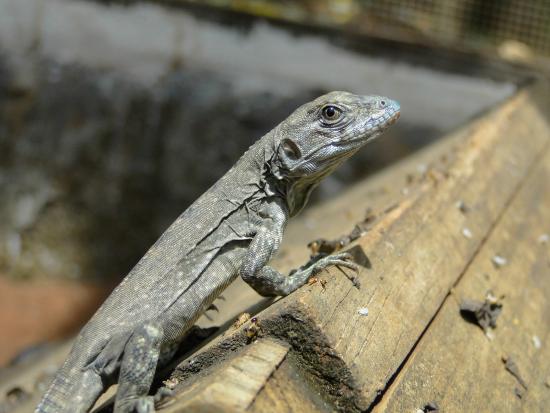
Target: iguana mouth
(394, 118)
(375, 128)
(382, 123)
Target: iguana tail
(56, 397)
(72, 391)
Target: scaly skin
(233, 229)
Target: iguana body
(234, 228)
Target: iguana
(233, 229)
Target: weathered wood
(236, 382)
(286, 391)
(417, 251)
(455, 364)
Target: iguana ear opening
(286, 154)
(290, 149)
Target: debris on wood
(512, 368)
(312, 280)
(429, 407)
(536, 342)
(323, 247)
(253, 331)
(489, 296)
(243, 318)
(171, 383)
(422, 168)
(482, 313)
(467, 233)
(462, 207)
(363, 311)
(544, 239)
(390, 208)
(518, 392)
(499, 261)
(317, 280)
(436, 175)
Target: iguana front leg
(266, 280)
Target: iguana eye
(291, 149)
(331, 113)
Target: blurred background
(116, 115)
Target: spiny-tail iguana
(233, 229)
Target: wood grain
(455, 364)
(418, 251)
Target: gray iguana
(233, 229)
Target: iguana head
(323, 133)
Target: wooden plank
(417, 252)
(455, 364)
(287, 391)
(235, 384)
